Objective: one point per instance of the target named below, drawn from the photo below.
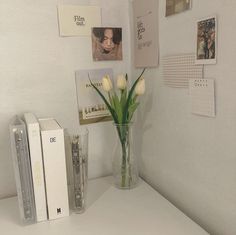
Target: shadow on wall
(142, 126)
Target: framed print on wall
(206, 41)
(177, 6)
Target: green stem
(125, 156)
(123, 133)
(124, 165)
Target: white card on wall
(202, 95)
(146, 33)
(78, 20)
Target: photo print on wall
(106, 43)
(90, 107)
(206, 41)
(177, 6)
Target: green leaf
(111, 100)
(132, 109)
(117, 107)
(114, 116)
(126, 109)
(123, 98)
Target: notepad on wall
(202, 95)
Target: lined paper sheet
(202, 95)
(178, 69)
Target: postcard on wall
(206, 41)
(177, 6)
(106, 43)
(77, 20)
(91, 108)
(146, 33)
(202, 95)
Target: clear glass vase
(79, 152)
(125, 167)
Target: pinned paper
(146, 33)
(178, 69)
(202, 94)
(91, 108)
(78, 20)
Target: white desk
(110, 211)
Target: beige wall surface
(37, 73)
(191, 159)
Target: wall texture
(191, 159)
(37, 74)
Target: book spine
(55, 173)
(37, 171)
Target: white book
(55, 168)
(36, 157)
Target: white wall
(192, 159)
(189, 159)
(37, 74)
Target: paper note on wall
(178, 69)
(202, 94)
(78, 20)
(146, 33)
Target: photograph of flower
(106, 43)
(206, 41)
(177, 6)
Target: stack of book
(38, 153)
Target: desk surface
(110, 211)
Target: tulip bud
(121, 82)
(140, 87)
(106, 83)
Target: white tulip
(106, 83)
(121, 82)
(140, 87)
